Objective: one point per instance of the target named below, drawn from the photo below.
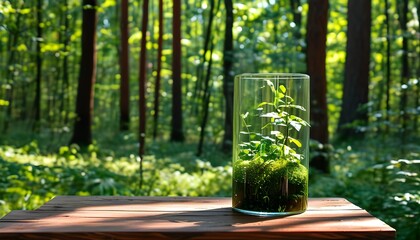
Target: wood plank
(44, 215)
(187, 218)
(196, 236)
(186, 222)
(177, 203)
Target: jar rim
(273, 75)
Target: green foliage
(279, 144)
(381, 177)
(368, 175)
(29, 178)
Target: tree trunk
(142, 78)
(388, 66)
(177, 133)
(297, 16)
(124, 69)
(65, 85)
(316, 55)
(316, 39)
(228, 57)
(37, 102)
(82, 133)
(206, 102)
(159, 69)
(356, 78)
(10, 76)
(199, 86)
(405, 73)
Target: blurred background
(107, 97)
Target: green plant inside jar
(268, 175)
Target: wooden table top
(116, 217)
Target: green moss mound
(273, 186)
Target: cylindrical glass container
(270, 144)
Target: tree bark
(124, 69)
(388, 67)
(142, 78)
(228, 78)
(206, 102)
(405, 73)
(199, 86)
(37, 101)
(82, 133)
(159, 69)
(316, 54)
(356, 78)
(65, 84)
(297, 17)
(316, 39)
(12, 42)
(177, 134)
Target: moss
(249, 170)
(297, 173)
(257, 170)
(274, 185)
(240, 170)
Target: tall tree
(206, 103)
(405, 73)
(142, 77)
(65, 64)
(228, 77)
(124, 69)
(37, 102)
(388, 65)
(316, 38)
(177, 133)
(82, 133)
(356, 77)
(297, 17)
(12, 43)
(198, 91)
(159, 70)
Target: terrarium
(270, 144)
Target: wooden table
(111, 217)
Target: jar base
(267, 214)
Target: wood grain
(99, 217)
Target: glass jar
(270, 144)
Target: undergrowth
(377, 176)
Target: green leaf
(21, 48)
(293, 106)
(282, 88)
(24, 11)
(108, 3)
(280, 122)
(4, 102)
(296, 125)
(300, 120)
(280, 96)
(295, 141)
(270, 115)
(263, 104)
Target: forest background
(135, 97)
